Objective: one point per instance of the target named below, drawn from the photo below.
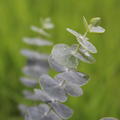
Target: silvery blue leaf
(43, 108)
(28, 82)
(41, 63)
(96, 29)
(43, 96)
(34, 71)
(82, 54)
(108, 118)
(51, 116)
(40, 31)
(34, 55)
(87, 57)
(29, 95)
(84, 58)
(87, 45)
(62, 110)
(38, 112)
(73, 89)
(51, 86)
(28, 117)
(57, 93)
(38, 95)
(56, 66)
(60, 49)
(22, 108)
(83, 41)
(61, 53)
(47, 82)
(37, 41)
(74, 77)
(76, 34)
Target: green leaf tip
(93, 27)
(85, 23)
(95, 21)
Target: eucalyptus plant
(68, 81)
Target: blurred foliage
(102, 94)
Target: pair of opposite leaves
(68, 56)
(53, 91)
(51, 115)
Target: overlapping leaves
(83, 50)
(53, 92)
(62, 54)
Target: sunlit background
(102, 94)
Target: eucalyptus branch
(53, 92)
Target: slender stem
(51, 108)
(61, 84)
(49, 111)
(78, 46)
(85, 33)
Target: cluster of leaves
(37, 63)
(53, 92)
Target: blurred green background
(102, 94)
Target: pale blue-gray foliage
(28, 81)
(54, 65)
(109, 118)
(62, 110)
(53, 88)
(83, 55)
(74, 77)
(34, 55)
(37, 41)
(53, 92)
(62, 54)
(37, 63)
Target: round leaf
(61, 53)
(62, 110)
(87, 45)
(73, 89)
(74, 77)
(56, 66)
